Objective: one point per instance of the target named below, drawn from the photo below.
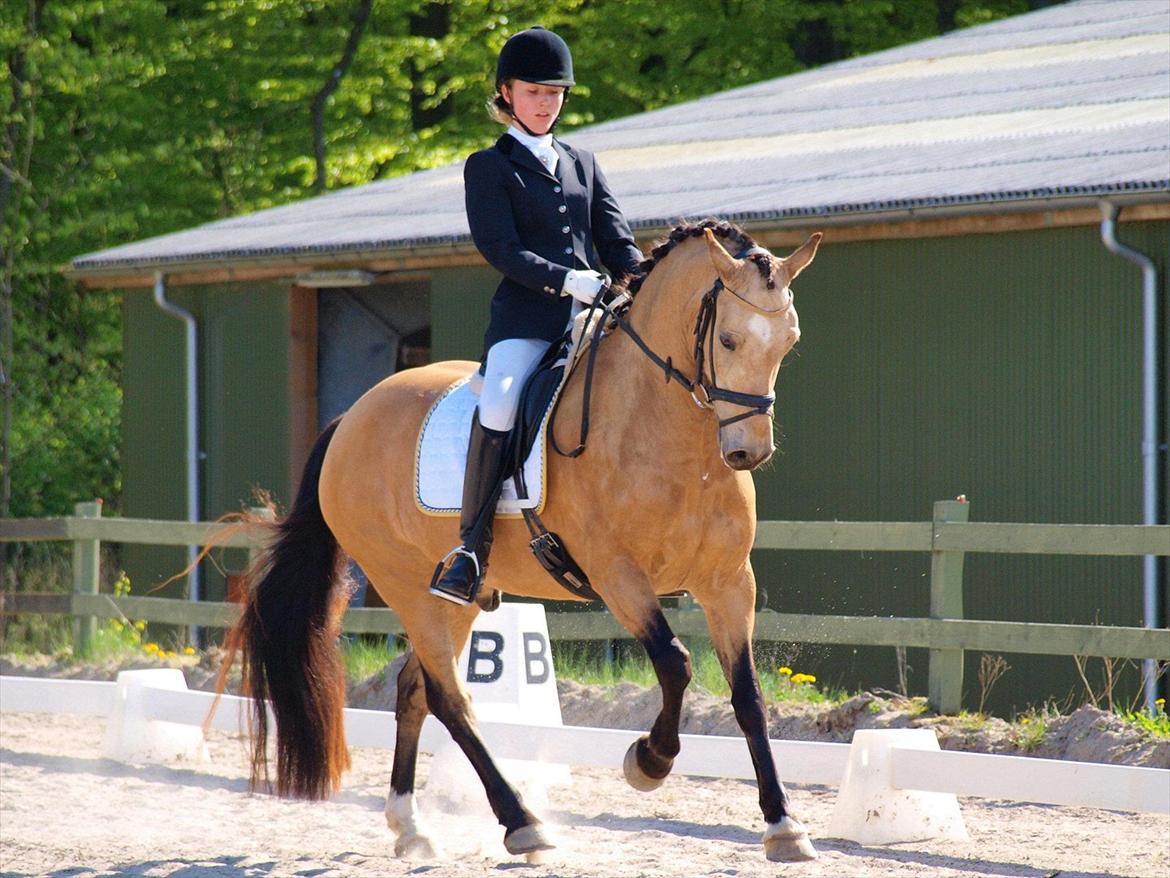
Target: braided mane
(721, 229)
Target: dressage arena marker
(134, 736)
(871, 810)
(1025, 779)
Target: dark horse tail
(287, 637)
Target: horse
(661, 501)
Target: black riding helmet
(535, 55)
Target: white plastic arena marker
(870, 810)
(507, 668)
(132, 736)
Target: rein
(704, 333)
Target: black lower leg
(503, 798)
(409, 713)
(748, 702)
(672, 666)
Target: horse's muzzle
(746, 458)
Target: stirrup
(442, 568)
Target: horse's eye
(727, 340)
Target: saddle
(442, 451)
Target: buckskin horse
(662, 501)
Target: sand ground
(67, 811)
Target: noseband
(704, 333)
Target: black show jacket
(533, 227)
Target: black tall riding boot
(482, 483)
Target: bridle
(704, 350)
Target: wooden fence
(947, 537)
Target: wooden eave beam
(769, 233)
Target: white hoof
(788, 842)
(402, 818)
(527, 840)
(635, 777)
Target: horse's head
(754, 327)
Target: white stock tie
(547, 156)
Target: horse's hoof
(788, 842)
(527, 840)
(415, 847)
(635, 776)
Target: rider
(537, 209)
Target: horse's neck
(648, 406)
(664, 310)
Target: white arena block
(131, 734)
(507, 668)
(870, 810)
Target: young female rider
(537, 209)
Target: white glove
(583, 285)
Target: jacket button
(557, 189)
(568, 250)
(565, 229)
(562, 209)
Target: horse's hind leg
(436, 650)
(730, 619)
(401, 811)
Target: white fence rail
(1025, 779)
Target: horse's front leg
(731, 618)
(650, 758)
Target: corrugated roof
(1061, 105)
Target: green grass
(1157, 725)
(366, 655)
(1031, 727)
(587, 664)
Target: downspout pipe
(192, 450)
(1151, 456)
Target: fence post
(946, 602)
(86, 571)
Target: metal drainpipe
(1150, 449)
(192, 381)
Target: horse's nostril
(738, 458)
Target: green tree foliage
(125, 119)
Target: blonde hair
(498, 108)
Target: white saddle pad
(442, 457)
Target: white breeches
(509, 363)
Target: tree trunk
(433, 21)
(360, 17)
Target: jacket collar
(522, 156)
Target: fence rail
(947, 537)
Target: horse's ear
(799, 260)
(724, 262)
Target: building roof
(1054, 108)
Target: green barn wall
(243, 332)
(1005, 367)
(460, 298)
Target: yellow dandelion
(1159, 702)
(151, 647)
(189, 651)
(140, 625)
(117, 626)
(785, 671)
